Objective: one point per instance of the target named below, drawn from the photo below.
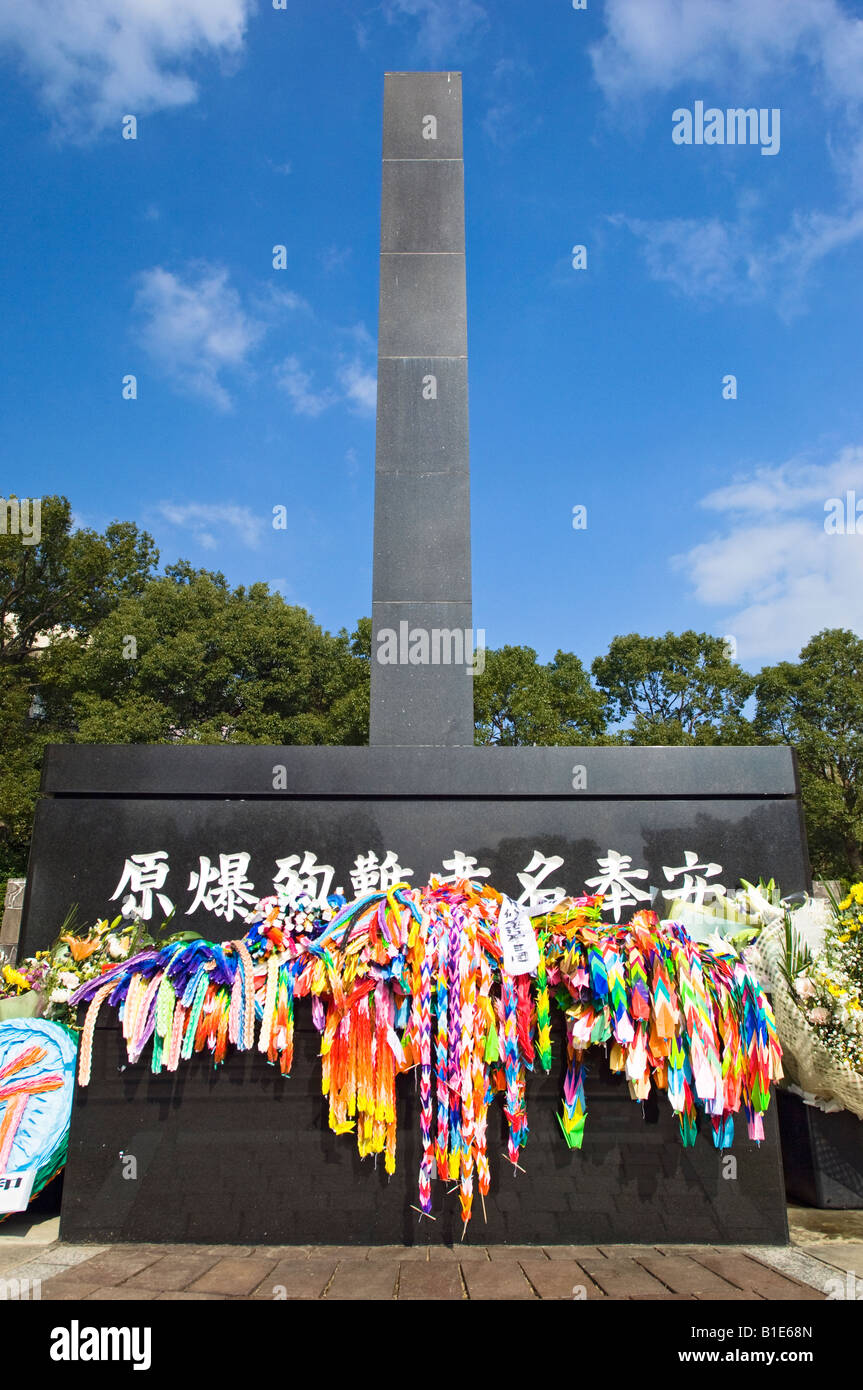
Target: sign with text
(15, 1190)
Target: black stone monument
(422, 582)
(240, 1154)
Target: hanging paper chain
(413, 978)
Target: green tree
(677, 689)
(22, 741)
(69, 579)
(519, 701)
(816, 705)
(191, 660)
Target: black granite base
(240, 1155)
(737, 807)
(822, 1155)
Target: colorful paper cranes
(414, 978)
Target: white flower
(116, 949)
(60, 996)
(69, 979)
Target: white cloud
(653, 45)
(702, 258)
(195, 329)
(360, 387)
(357, 388)
(359, 334)
(811, 238)
(270, 303)
(706, 259)
(335, 257)
(95, 61)
(511, 114)
(442, 23)
(203, 518)
(297, 384)
(789, 487)
(775, 572)
(201, 333)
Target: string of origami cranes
(455, 980)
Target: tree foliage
(132, 657)
(816, 705)
(69, 579)
(517, 700)
(677, 689)
(192, 660)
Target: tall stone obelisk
(421, 685)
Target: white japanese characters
(695, 888)
(615, 882)
(373, 875)
(537, 870)
(311, 878)
(144, 875)
(223, 887)
(462, 866)
(224, 891)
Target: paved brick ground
(498, 1273)
(824, 1245)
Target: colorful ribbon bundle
(414, 978)
(688, 1019)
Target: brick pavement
(824, 1245)
(525, 1273)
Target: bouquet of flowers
(31, 976)
(22, 987)
(77, 956)
(818, 1000)
(828, 990)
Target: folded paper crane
(415, 978)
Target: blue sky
(601, 387)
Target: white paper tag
(517, 937)
(15, 1189)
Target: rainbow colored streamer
(413, 978)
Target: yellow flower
(856, 893)
(14, 977)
